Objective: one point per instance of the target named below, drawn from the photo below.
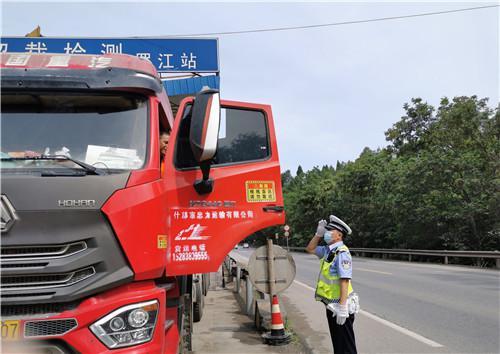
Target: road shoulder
(307, 318)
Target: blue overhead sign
(166, 54)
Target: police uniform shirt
(342, 266)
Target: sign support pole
(277, 336)
(270, 268)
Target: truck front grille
(46, 309)
(59, 256)
(44, 281)
(23, 253)
(49, 327)
(24, 265)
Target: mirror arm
(205, 185)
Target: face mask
(327, 237)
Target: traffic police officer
(334, 287)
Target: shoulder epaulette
(342, 248)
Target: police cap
(336, 223)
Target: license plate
(10, 329)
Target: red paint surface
(150, 207)
(96, 307)
(80, 62)
(229, 185)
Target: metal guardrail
(237, 267)
(438, 253)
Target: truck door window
(243, 137)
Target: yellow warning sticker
(260, 191)
(162, 241)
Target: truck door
(245, 196)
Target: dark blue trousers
(343, 339)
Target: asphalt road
(439, 308)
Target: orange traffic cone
(277, 336)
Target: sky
(333, 90)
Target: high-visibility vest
(328, 286)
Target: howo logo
(76, 203)
(9, 215)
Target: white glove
(320, 231)
(353, 303)
(342, 313)
(331, 307)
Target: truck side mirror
(203, 134)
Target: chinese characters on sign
(162, 241)
(213, 214)
(169, 54)
(190, 253)
(38, 47)
(58, 61)
(189, 62)
(260, 191)
(53, 61)
(191, 242)
(75, 49)
(212, 203)
(111, 48)
(17, 60)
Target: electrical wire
(276, 29)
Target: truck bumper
(80, 339)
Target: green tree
(409, 134)
(436, 185)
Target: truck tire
(185, 314)
(185, 342)
(199, 302)
(206, 283)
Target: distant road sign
(166, 54)
(287, 234)
(286, 228)
(284, 269)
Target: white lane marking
(371, 270)
(304, 285)
(394, 326)
(442, 267)
(402, 330)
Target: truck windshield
(107, 131)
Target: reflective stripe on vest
(328, 286)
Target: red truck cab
(98, 245)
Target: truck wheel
(199, 303)
(185, 342)
(188, 324)
(206, 283)
(185, 313)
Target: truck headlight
(128, 325)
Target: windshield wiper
(63, 173)
(88, 168)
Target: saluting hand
(320, 231)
